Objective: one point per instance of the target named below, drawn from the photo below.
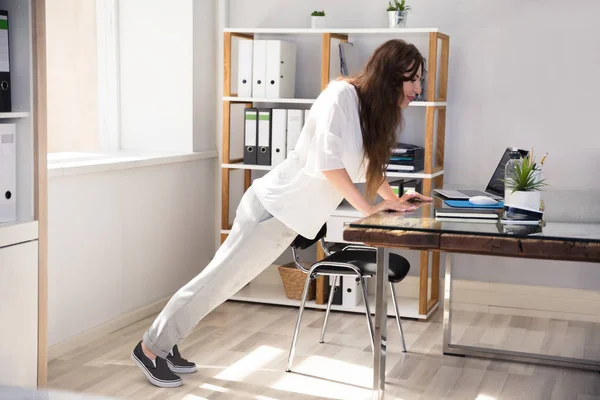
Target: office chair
(353, 260)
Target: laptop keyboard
(473, 193)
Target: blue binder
(466, 204)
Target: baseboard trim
(107, 328)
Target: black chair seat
(365, 261)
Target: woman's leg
(256, 240)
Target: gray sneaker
(179, 364)
(157, 371)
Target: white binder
(279, 136)
(250, 135)
(259, 69)
(8, 173)
(263, 155)
(351, 291)
(295, 121)
(245, 51)
(281, 69)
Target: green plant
(398, 6)
(318, 13)
(524, 177)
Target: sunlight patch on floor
(249, 364)
(193, 397)
(214, 388)
(485, 397)
(326, 377)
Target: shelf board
(248, 166)
(309, 31)
(8, 115)
(16, 232)
(412, 175)
(275, 294)
(236, 99)
(268, 100)
(428, 104)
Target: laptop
(494, 189)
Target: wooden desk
(554, 241)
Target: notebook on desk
(494, 189)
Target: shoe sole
(180, 370)
(153, 380)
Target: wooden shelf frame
(434, 142)
(436, 102)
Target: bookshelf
(434, 138)
(23, 241)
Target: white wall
(522, 73)
(121, 240)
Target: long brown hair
(379, 88)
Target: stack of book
(407, 158)
(490, 215)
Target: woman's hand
(391, 205)
(414, 196)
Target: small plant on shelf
(317, 19)
(398, 6)
(397, 12)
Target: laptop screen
(496, 186)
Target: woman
(347, 138)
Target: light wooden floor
(241, 350)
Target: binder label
(4, 65)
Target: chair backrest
(303, 243)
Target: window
(82, 76)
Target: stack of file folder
(270, 134)
(266, 68)
(407, 158)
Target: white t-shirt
(296, 192)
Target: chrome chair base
(313, 273)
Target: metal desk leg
(498, 354)
(447, 304)
(379, 354)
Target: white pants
(255, 242)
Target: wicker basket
(293, 282)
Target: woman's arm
(340, 179)
(386, 191)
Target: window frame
(107, 40)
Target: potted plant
(524, 183)
(397, 13)
(317, 19)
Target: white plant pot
(526, 199)
(317, 22)
(397, 19)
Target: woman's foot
(156, 370)
(178, 364)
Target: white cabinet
(20, 291)
(19, 314)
